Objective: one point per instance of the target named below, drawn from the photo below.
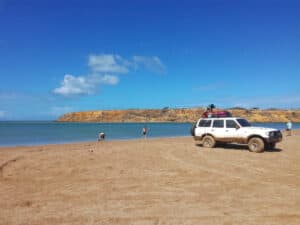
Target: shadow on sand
(239, 147)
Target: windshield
(244, 123)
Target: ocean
(24, 133)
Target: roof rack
(217, 114)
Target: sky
(65, 56)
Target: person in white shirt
(289, 126)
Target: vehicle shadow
(274, 150)
(239, 147)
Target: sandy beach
(164, 181)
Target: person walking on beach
(289, 128)
(101, 136)
(144, 132)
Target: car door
(232, 130)
(217, 129)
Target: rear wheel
(256, 144)
(193, 130)
(208, 142)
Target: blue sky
(63, 56)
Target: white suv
(235, 130)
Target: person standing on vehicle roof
(209, 111)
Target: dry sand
(155, 181)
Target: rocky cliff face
(175, 115)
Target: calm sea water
(14, 133)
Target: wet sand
(165, 181)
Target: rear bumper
(196, 138)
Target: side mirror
(237, 127)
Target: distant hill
(176, 115)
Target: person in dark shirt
(144, 132)
(101, 136)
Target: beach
(166, 181)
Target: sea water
(15, 133)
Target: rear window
(204, 123)
(218, 123)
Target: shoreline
(95, 141)
(295, 132)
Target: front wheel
(256, 144)
(208, 142)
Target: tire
(271, 146)
(193, 130)
(256, 144)
(208, 142)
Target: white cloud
(109, 79)
(108, 63)
(152, 63)
(117, 64)
(99, 66)
(84, 85)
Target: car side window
(218, 123)
(231, 124)
(204, 123)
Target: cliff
(176, 115)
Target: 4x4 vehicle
(235, 130)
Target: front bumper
(275, 137)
